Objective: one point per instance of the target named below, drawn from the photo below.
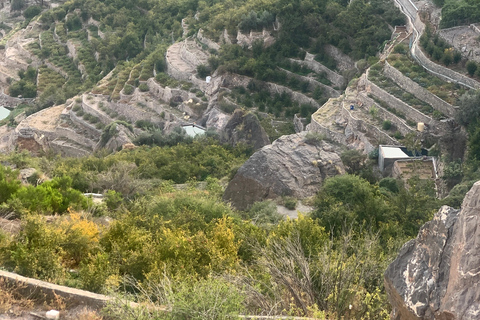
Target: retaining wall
(72, 135)
(105, 119)
(436, 127)
(67, 149)
(331, 93)
(343, 61)
(442, 72)
(190, 56)
(336, 79)
(84, 124)
(167, 93)
(449, 75)
(74, 296)
(209, 43)
(296, 96)
(418, 91)
(362, 130)
(11, 102)
(356, 131)
(399, 123)
(410, 112)
(133, 113)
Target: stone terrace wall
(331, 93)
(209, 43)
(233, 80)
(84, 124)
(343, 61)
(442, 72)
(414, 22)
(399, 123)
(11, 102)
(167, 93)
(421, 93)
(360, 130)
(133, 114)
(336, 79)
(436, 127)
(365, 132)
(396, 103)
(95, 112)
(296, 96)
(67, 149)
(189, 56)
(72, 135)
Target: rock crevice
(437, 275)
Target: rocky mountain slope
(435, 276)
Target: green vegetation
(162, 233)
(457, 13)
(391, 87)
(449, 92)
(182, 245)
(26, 86)
(438, 49)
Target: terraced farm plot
(377, 77)
(48, 77)
(449, 92)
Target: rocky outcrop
(245, 128)
(293, 165)
(437, 275)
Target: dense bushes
(457, 13)
(164, 242)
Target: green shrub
(314, 138)
(471, 67)
(290, 203)
(143, 87)
(128, 89)
(32, 11)
(387, 125)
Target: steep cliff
(437, 275)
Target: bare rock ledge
(437, 275)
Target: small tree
(203, 71)
(353, 160)
(471, 67)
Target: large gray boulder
(437, 275)
(244, 127)
(293, 165)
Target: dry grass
(14, 302)
(11, 301)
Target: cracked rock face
(289, 166)
(437, 275)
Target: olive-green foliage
(211, 298)
(9, 184)
(348, 201)
(456, 13)
(206, 299)
(36, 251)
(264, 212)
(180, 162)
(54, 196)
(26, 86)
(290, 202)
(353, 160)
(187, 247)
(32, 11)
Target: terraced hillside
(114, 84)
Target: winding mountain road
(414, 21)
